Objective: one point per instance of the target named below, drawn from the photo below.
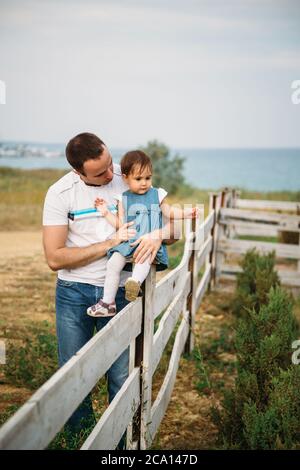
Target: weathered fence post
(213, 206)
(146, 385)
(141, 356)
(135, 359)
(190, 227)
(221, 233)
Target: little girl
(144, 205)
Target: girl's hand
(101, 206)
(191, 213)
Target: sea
(267, 169)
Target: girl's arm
(177, 213)
(120, 214)
(101, 206)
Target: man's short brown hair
(83, 147)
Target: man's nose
(109, 174)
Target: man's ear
(78, 172)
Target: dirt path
(15, 244)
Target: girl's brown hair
(135, 159)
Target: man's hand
(124, 233)
(149, 245)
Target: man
(77, 247)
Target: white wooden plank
(286, 281)
(164, 395)
(288, 278)
(112, 425)
(251, 229)
(74, 380)
(257, 228)
(12, 432)
(203, 252)
(241, 246)
(168, 322)
(283, 220)
(201, 289)
(169, 286)
(267, 205)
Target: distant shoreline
(48, 174)
(254, 169)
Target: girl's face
(139, 181)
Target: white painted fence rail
(241, 218)
(177, 297)
(267, 205)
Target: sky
(205, 73)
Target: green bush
(278, 426)
(262, 411)
(255, 281)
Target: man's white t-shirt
(70, 193)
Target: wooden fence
(244, 224)
(176, 298)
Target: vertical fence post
(191, 227)
(213, 206)
(141, 354)
(131, 428)
(235, 194)
(146, 384)
(220, 233)
(227, 201)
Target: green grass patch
(34, 361)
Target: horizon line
(121, 147)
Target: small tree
(168, 172)
(255, 415)
(278, 425)
(255, 281)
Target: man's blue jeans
(75, 328)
